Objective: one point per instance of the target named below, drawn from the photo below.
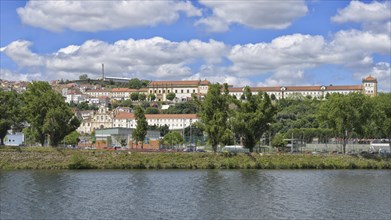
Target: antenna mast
(103, 72)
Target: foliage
(278, 141)
(173, 138)
(134, 96)
(380, 121)
(152, 110)
(170, 96)
(72, 138)
(48, 114)
(11, 115)
(345, 114)
(214, 114)
(137, 84)
(189, 107)
(142, 96)
(151, 97)
(83, 77)
(50, 158)
(252, 117)
(141, 128)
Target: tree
(345, 114)
(141, 96)
(137, 84)
(49, 116)
(189, 107)
(141, 128)
(151, 110)
(214, 114)
(151, 97)
(10, 112)
(83, 77)
(252, 117)
(134, 96)
(72, 138)
(170, 96)
(278, 141)
(173, 138)
(381, 116)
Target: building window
(188, 91)
(193, 90)
(168, 91)
(176, 91)
(181, 90)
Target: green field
(53, 158)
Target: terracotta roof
(123, 90)
(126, 115)
(358, 87)
(369, 79)
(204, 82)
(297, 88)
(99, 90)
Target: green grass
(52, 158)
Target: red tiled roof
(369, 79)
(126, 115)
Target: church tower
(369, 85)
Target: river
(195, 194)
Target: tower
(103, 72)
(369, 85)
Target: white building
(173, 121)
(183, 89)
(368, 87)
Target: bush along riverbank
(53, 158)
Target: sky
(253, 42)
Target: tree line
(40, 112)
(227, 119)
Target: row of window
(168, 91)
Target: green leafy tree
(83, 77)
(214, 114)
(278, 141)
(189, 107)
(142, 96)
(170, 96)
(11, 115)
(380, 125)
(141, 128)
(345, 114)
(252, 117)
(151, 110)
(135, 83)
(73, 138)
(173, 138)
(151, 97)
(134, 96)
(47, 113)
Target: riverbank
(53, 158)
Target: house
(16, 139)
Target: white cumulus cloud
(95, 16)
(361, 12)
(255, 14)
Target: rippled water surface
(195, 194)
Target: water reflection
(195, 194)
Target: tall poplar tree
(141, 127)
(214, 113)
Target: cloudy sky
(256, 43)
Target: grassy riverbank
(51, 158)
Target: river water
(195, 194)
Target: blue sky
(256, 43)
